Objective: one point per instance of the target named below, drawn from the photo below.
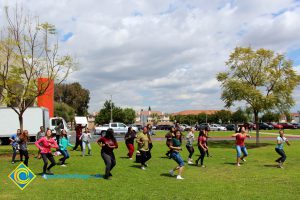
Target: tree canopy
(74, 95)
(28, 53)
(261, 78)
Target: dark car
(265, 126)
(288, 126)
(163, 127)
(230, 127)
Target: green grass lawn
(258, 178)
(287, 131)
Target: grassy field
(258, 178)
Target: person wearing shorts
(175, 146)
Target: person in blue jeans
(63, 145)
(279, 148)
(15, 139)
(175, 146)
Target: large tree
(28, 53)
(74, 95)
(261, 78)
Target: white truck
(119, 128)
(33, 118)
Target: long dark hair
(24, 137)
(201, 133)
(110, 134)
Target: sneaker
(110, 174)
(243, 159)
(49, 172)
(143, 168)
(44, 176)
(171, 172)
(203, 166)
(179, 177)
(279, 166)
(190, 162)
(146, 165)
(130, 158)
(63, 165)
(238, 164)
(13, 162)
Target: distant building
(153, 117)
(195, 112)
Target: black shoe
(49, 172)
(196, 163)
(110, 174)
(107, 177)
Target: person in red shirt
(78, 130)
(45, 144)
(108, 143)
(240, 137)
(202, 146)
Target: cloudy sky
(164, 53)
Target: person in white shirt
(189, 144)
(86, 141)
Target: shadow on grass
(124, 157)
(274, 165)
(166, 175)
(230, 163)
(229, 144)
(136, 166)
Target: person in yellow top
(143, 146)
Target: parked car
(275, 125)
(217, 127)
(265, 126)
(296, 124)
(230, 127)
(139, 127)
(164, 127)
(185, 127)
(119, 128)
(250, 125)
(202, 126)
(288, 126)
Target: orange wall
(47, 99)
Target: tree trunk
(21, 121)
(257, 126)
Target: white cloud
(164, 54)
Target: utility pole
(111, 119)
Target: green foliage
(239, 116)
(129, 116)
(74, 95)
(270, 117)
(261, 78)
(222, 116)
(126, 115)
(64, 110)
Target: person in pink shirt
(45, 144)
(202, 138)
(240, 137)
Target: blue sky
(164, 54)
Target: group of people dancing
(174, 140)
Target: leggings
(202, 155)
(145, 156)
(24, 153)
(110, 162)
(48, 156)
(78, 142)
(191, 150)
(282, 154)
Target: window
(114, 125)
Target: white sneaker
(171, 172)
(63, 165)
(238, 165)
(190, 162)
(143, 168)
(44, 176)
(130, 158)
(244, 160)
(179, 177)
